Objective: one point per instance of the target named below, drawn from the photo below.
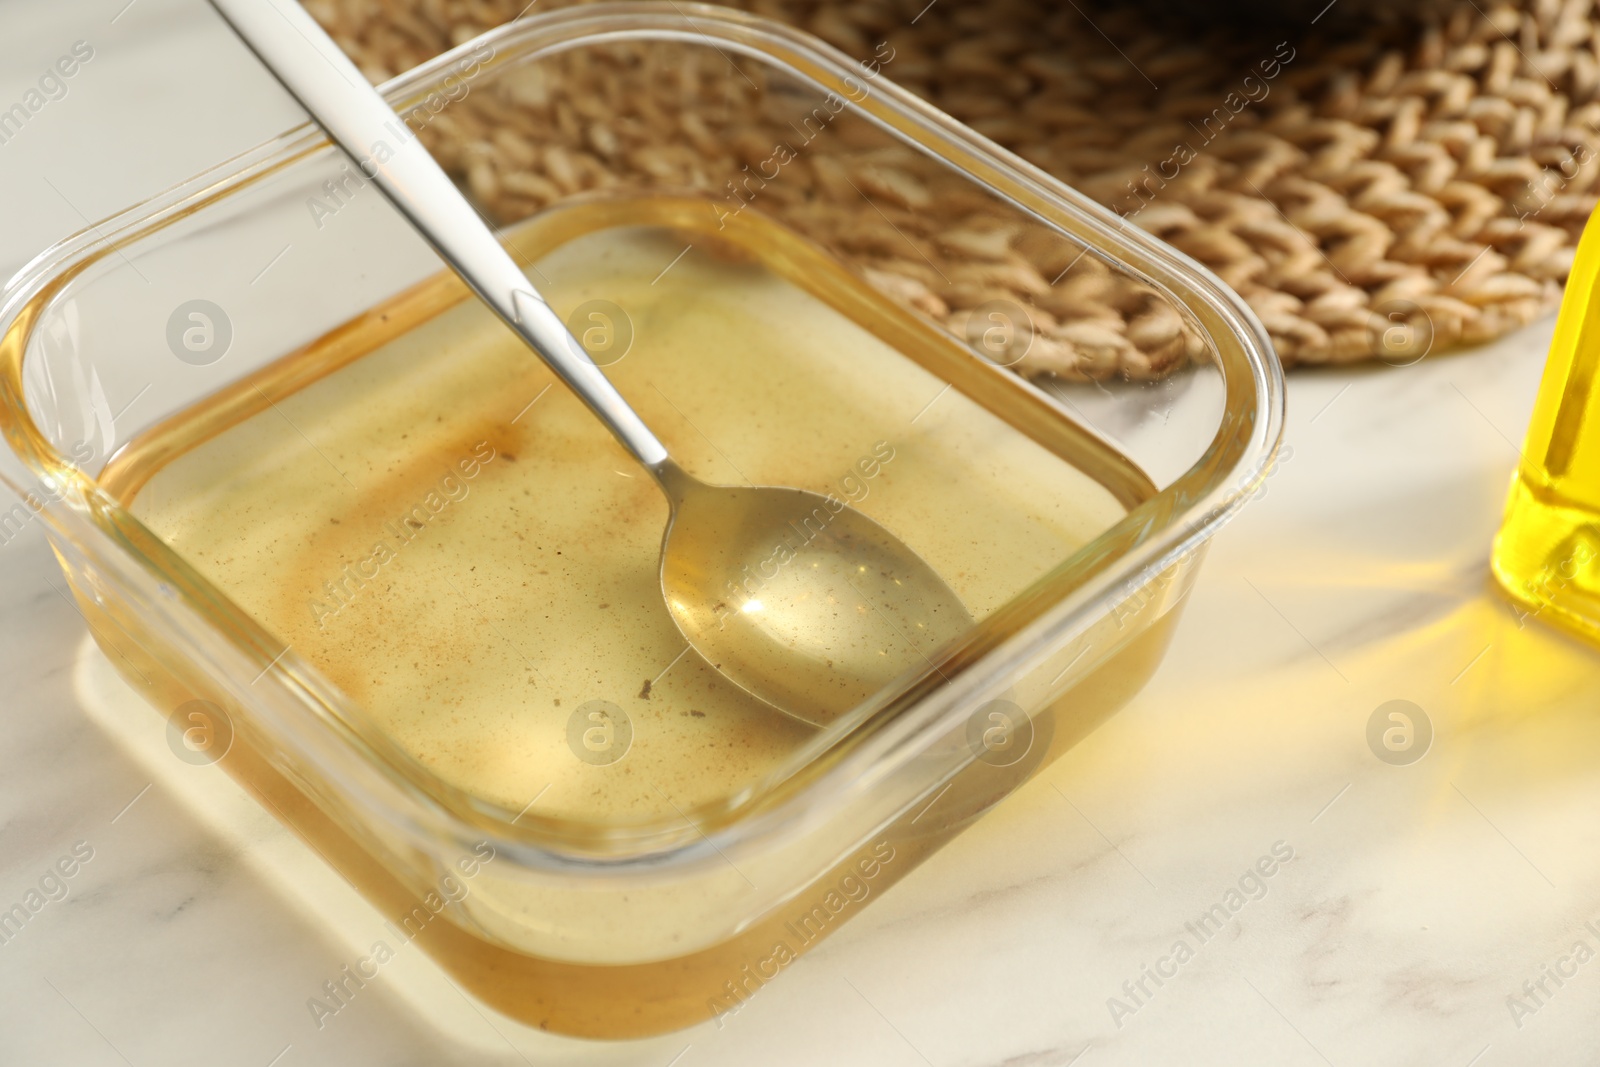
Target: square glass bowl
(325, 515)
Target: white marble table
(1419, 897)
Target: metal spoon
(795, 597)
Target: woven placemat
(1374, 187)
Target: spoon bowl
(798, 598)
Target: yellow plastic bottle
(1547, 555)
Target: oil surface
(448, 535)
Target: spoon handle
(318, 74)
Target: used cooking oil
(418, 509)
(1547, 554)
(449, 536)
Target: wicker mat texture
(1377, 183)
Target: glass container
(215, 399)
